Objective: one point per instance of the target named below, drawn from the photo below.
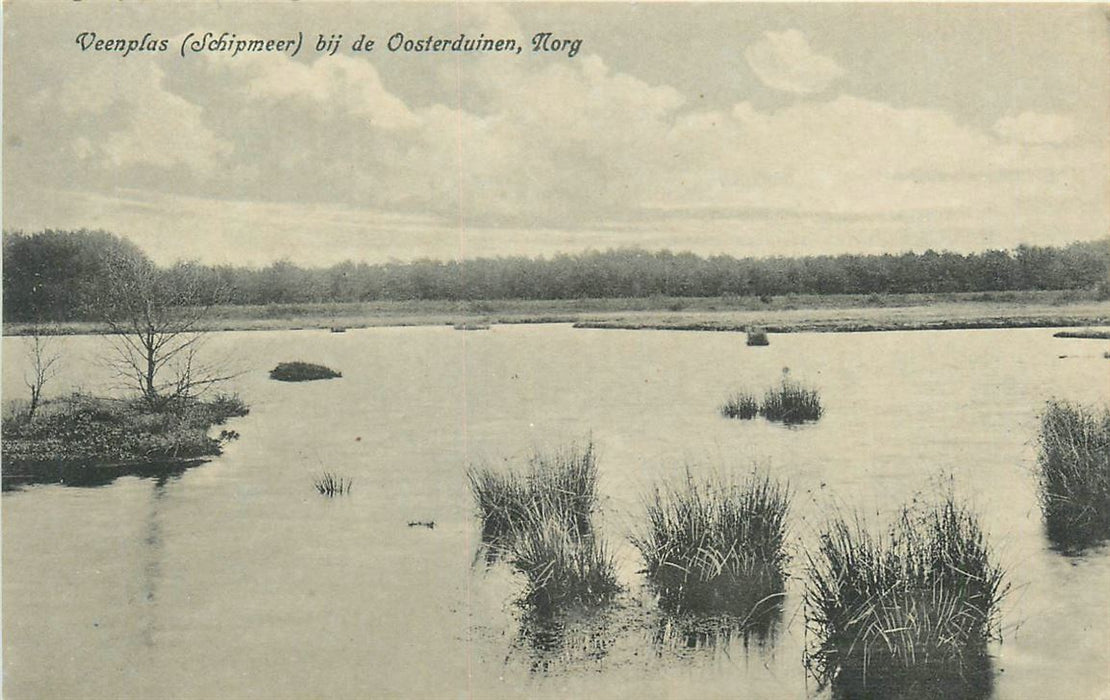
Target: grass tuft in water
(791, 402)
(907, 614)
(302, 372)
(757, 337)
(562, 565)
(329, 484)
(1074, 473)
(740, 405)
(717, 545)
(539, 518)
(561, 485)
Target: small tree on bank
(44, 360)
(156, 322)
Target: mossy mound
(91, 430)
(302, 372)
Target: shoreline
(787, 314)
(861, 327)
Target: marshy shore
(782, 314)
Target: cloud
(785, 61)
(520, 150)
(335, 84)
(137, 121)
(1036, 127)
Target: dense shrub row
(58, 275)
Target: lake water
(236, 579)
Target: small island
(302, 372)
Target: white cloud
(1036, 127)
(333, 84)
(510, 148)
(130, 119)
(785, 61)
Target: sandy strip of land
(780, 315)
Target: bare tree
(44, 359)
(156, 323)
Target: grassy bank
(775, 315)
(81, 436)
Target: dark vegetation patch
(717, 546)
(562, 565)
(1074, 472)
(560, 485)
(48, 275)
(758, 337)
(790, 402)
(1086, 333)
(78, 433)
(302, 372)
(539, 519)
(331, 484)
(742, 405)
(906, 614)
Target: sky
(743, 129)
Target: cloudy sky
(751, 129)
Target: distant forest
(60, 275)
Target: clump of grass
(329, 484)
(757, 337)
(560, 485)
(907, 614)
(717, 545)
(302, 372)
(791, 402)
(1074, 473)
(563, 566)
(540, 519)
(742, 405)
(503, 500)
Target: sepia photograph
(545, 350)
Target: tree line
(66, 275)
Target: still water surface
(236, 580)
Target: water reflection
(153, 553)
(91, 476)
(973, 680)
(965, 675)
(1075, 536)
(687, 635)
(556, 641)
